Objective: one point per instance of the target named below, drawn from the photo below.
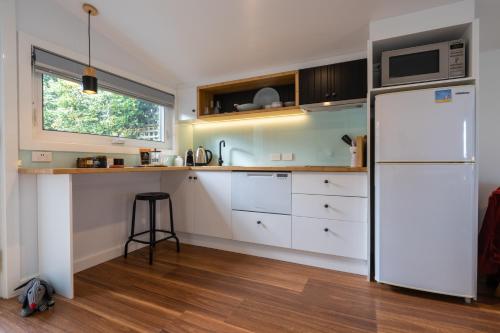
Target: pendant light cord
(89, 35)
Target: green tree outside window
(67, 109)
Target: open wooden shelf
(231, 90)
(261, 113)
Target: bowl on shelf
(247, 107)
(289, 103)
(277, 104)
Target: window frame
(31, 133)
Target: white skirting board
(342, 264)
(300, 257)
(100, 257)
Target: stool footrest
(147, 232)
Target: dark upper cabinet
(337, 82)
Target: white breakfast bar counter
(72, 219)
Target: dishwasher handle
(259, 174)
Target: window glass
(67, 109)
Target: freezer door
(430, 125)
(426, 227)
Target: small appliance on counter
(85, 162)
(118, 163)
(145, 156)
(189, 160)
(92, 162)
(202, 156)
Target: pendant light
(89, 80)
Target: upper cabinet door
(322, 90)
(306, 85)
(332, 86)
(350, 80)
(185, 101)
(337, 82)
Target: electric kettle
(202, 156)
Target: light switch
(275, 156)
(287, 156)
(41, 156)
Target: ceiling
(196, 40)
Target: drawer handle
(326, 206)
(326, 230)
(259, 222)
(326, 181)
(190, 177)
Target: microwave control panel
(457, 59)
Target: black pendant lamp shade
(89, 79)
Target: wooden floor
(205, 290)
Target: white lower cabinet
(261, 228)
(212, 204)
(201, 202)
(330, 207)
(331, 183)
(330, 213)
(181, 187)
(347, 239)
(320, 222)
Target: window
(67, 109)
(64, 118)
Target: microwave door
(415, 64)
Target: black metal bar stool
(152, 197)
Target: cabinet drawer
(261, 228)
(330, 237)
(347, 183)
(330, 207)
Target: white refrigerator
(426, 219)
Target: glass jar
(155, 156)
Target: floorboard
(207, 290)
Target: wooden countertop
(72, 171)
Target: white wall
(488, 115)
(9, 191)
(488, 118)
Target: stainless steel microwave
(439, 61)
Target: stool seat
(152, 196)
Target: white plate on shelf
(266, 96)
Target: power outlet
(275, 156)
(287, 156)
(41, 156)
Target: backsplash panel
(314, 139)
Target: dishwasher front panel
(266, 192)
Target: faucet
(221, 143)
